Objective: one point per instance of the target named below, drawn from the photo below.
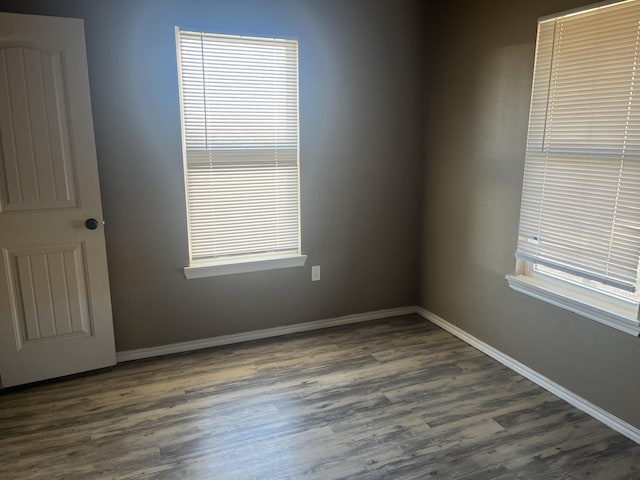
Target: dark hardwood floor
(398, 399)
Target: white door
(55, 306)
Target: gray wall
(478, 107)
(361, 141)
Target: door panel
(55, 308)
(36, 166)
(49, 294)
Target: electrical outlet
(315, 273)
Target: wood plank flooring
(397, 398)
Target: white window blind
(239, 99)
(581, 194)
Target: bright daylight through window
(239, 103)
(579, 236)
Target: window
(579, 236)
(239, 104)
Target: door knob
(91, 223)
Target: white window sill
(608, 310)
(243, 266)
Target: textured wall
(361, 143)
(478, 104)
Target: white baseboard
(558, 390)
(577, 401)
(127, 355)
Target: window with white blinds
(239, 100)
(579, 236)
(580, 210)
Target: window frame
(600, 305)
(249, 262)
(607, 309)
